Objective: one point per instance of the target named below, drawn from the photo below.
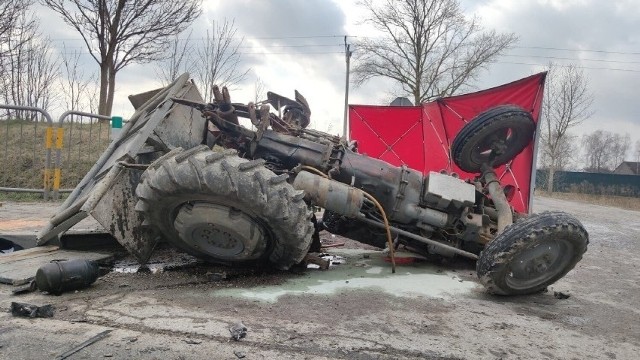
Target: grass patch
(629, 203)
(22, 151)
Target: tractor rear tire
(225, 209)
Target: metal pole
(347, 54)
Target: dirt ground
(355, 310)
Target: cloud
(600, 37)
(294, 44)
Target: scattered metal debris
(30, 287)
(193, 341)
(217, 276)
(560, 295)
(31, 311)
(323, 261)
(94, 339)
(238, 331)
(316, 262)
(239, 354)
(162, 260)
(60, 276)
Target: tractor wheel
(532, 254)
(494, 138)
(225, 209)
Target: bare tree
(567, 154)
(598, 151)
(620, 146)
(567, 103)
(123, 32)
(259, 89)
(75, 83)
(178, 60)
(430, 48)
(10, 14)
(605, 150)
(30, 68)
(218, 58)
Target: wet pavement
(355, 310)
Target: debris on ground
(31, 311)
(30, 287)
(239, 354)
(217, 276)
(92, 340)
(314, 262)
(238, 331)
(334, 245)
(163, 259)
(61, 276)
(560, 295)
(193, 341)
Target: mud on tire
(225, 209)
(532, 253)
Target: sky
(295, 44)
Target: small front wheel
(532, 254)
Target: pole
(347, 54)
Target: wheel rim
(497, 147)
(494, 137)
(539, 264)
(221, 231)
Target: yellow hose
(377, 204)
(386, 225)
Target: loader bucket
(107, 191)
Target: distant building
(628, 168)
(401, 101)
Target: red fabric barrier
(421, 136)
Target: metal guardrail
(57, 170)
(76, 141)
(48, 142)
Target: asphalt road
(355, 310)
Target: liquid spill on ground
(363, 270)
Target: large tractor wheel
(532, 254)
(494, 138)
(225, 209)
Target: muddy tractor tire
(532, 254)
(494, 138)
(225, 209)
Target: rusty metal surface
(115, 211)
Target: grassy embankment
(22, 154)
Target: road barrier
(40, 158)
(18, 170)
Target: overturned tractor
(189, 173)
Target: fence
(40, 156)
(591, 183)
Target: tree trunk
(550, 176)
(112, 89)
(104, 88)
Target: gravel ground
(356, 310)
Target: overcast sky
(295, 44)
